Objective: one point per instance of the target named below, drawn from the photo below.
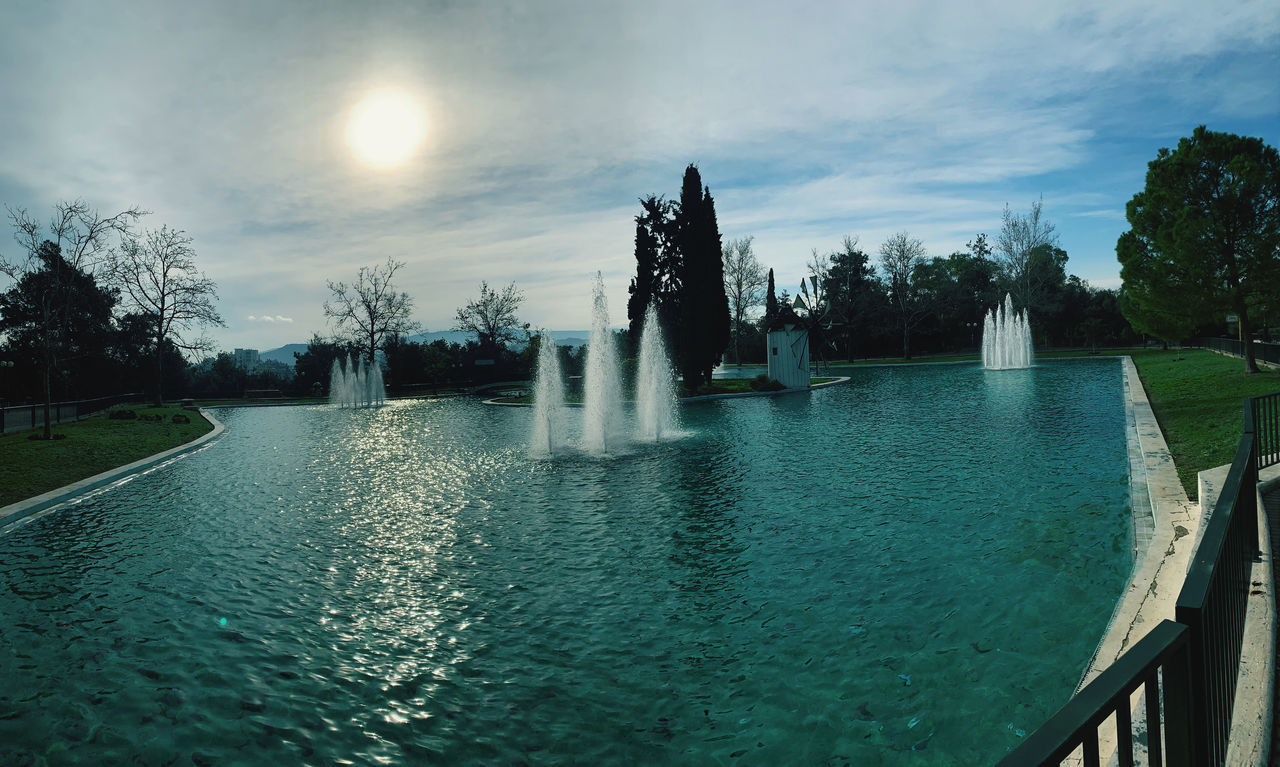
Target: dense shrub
(763, 382)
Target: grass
(1197, 395)
(31, 467)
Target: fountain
(548, 401)
(656, 416)
(356, 386)
(1006, 338)
(602, 397)
(603, 432)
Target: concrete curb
(1157, 578)
(1160, 569)
(16, 512)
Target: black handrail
(1267, 352)
(1266, 428)
(1161, 655)
(1215, 597)
(1198, 656)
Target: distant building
(789, 350)
(246, 359)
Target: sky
(546, 122)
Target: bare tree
(816, 302)
(157, 272)
(75, 243)
(370, 310)
(492, 317)
(1020, 236)
(84, 236)
(744, 282)
(899, 257)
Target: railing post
(1186, 690)
(1184, 744)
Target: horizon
(536, 131)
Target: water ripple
(799, 579)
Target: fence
(1189, 667)
(1264, 352)
(1266, 429)
(23, 417)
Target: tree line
(901, 302)
(100, 305)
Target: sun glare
(386, 128)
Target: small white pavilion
(789, 350)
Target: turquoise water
(911, 568)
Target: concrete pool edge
(35, 505)
(1161, 566)
(1176, 525)
(1160, 511)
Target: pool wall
(1164, 533)
(16, 512)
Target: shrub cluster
(763, 382)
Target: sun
(386, 128)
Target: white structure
(789, 353)
(247, 359)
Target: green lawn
(31, 467)
(1197, 396)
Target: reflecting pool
(911, 568)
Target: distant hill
(563, 338)
(283, 354)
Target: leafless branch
(369, 310)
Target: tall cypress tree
(643, 285)
(703, 326)
(770, 303)
(718, 323)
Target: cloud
(548, 121)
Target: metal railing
(1197, 657)
(1214, 599)
(1263, 351)
(1161, 655)
(1266, 429)
(31, 416)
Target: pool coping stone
(16, 512)
(1175, 524)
